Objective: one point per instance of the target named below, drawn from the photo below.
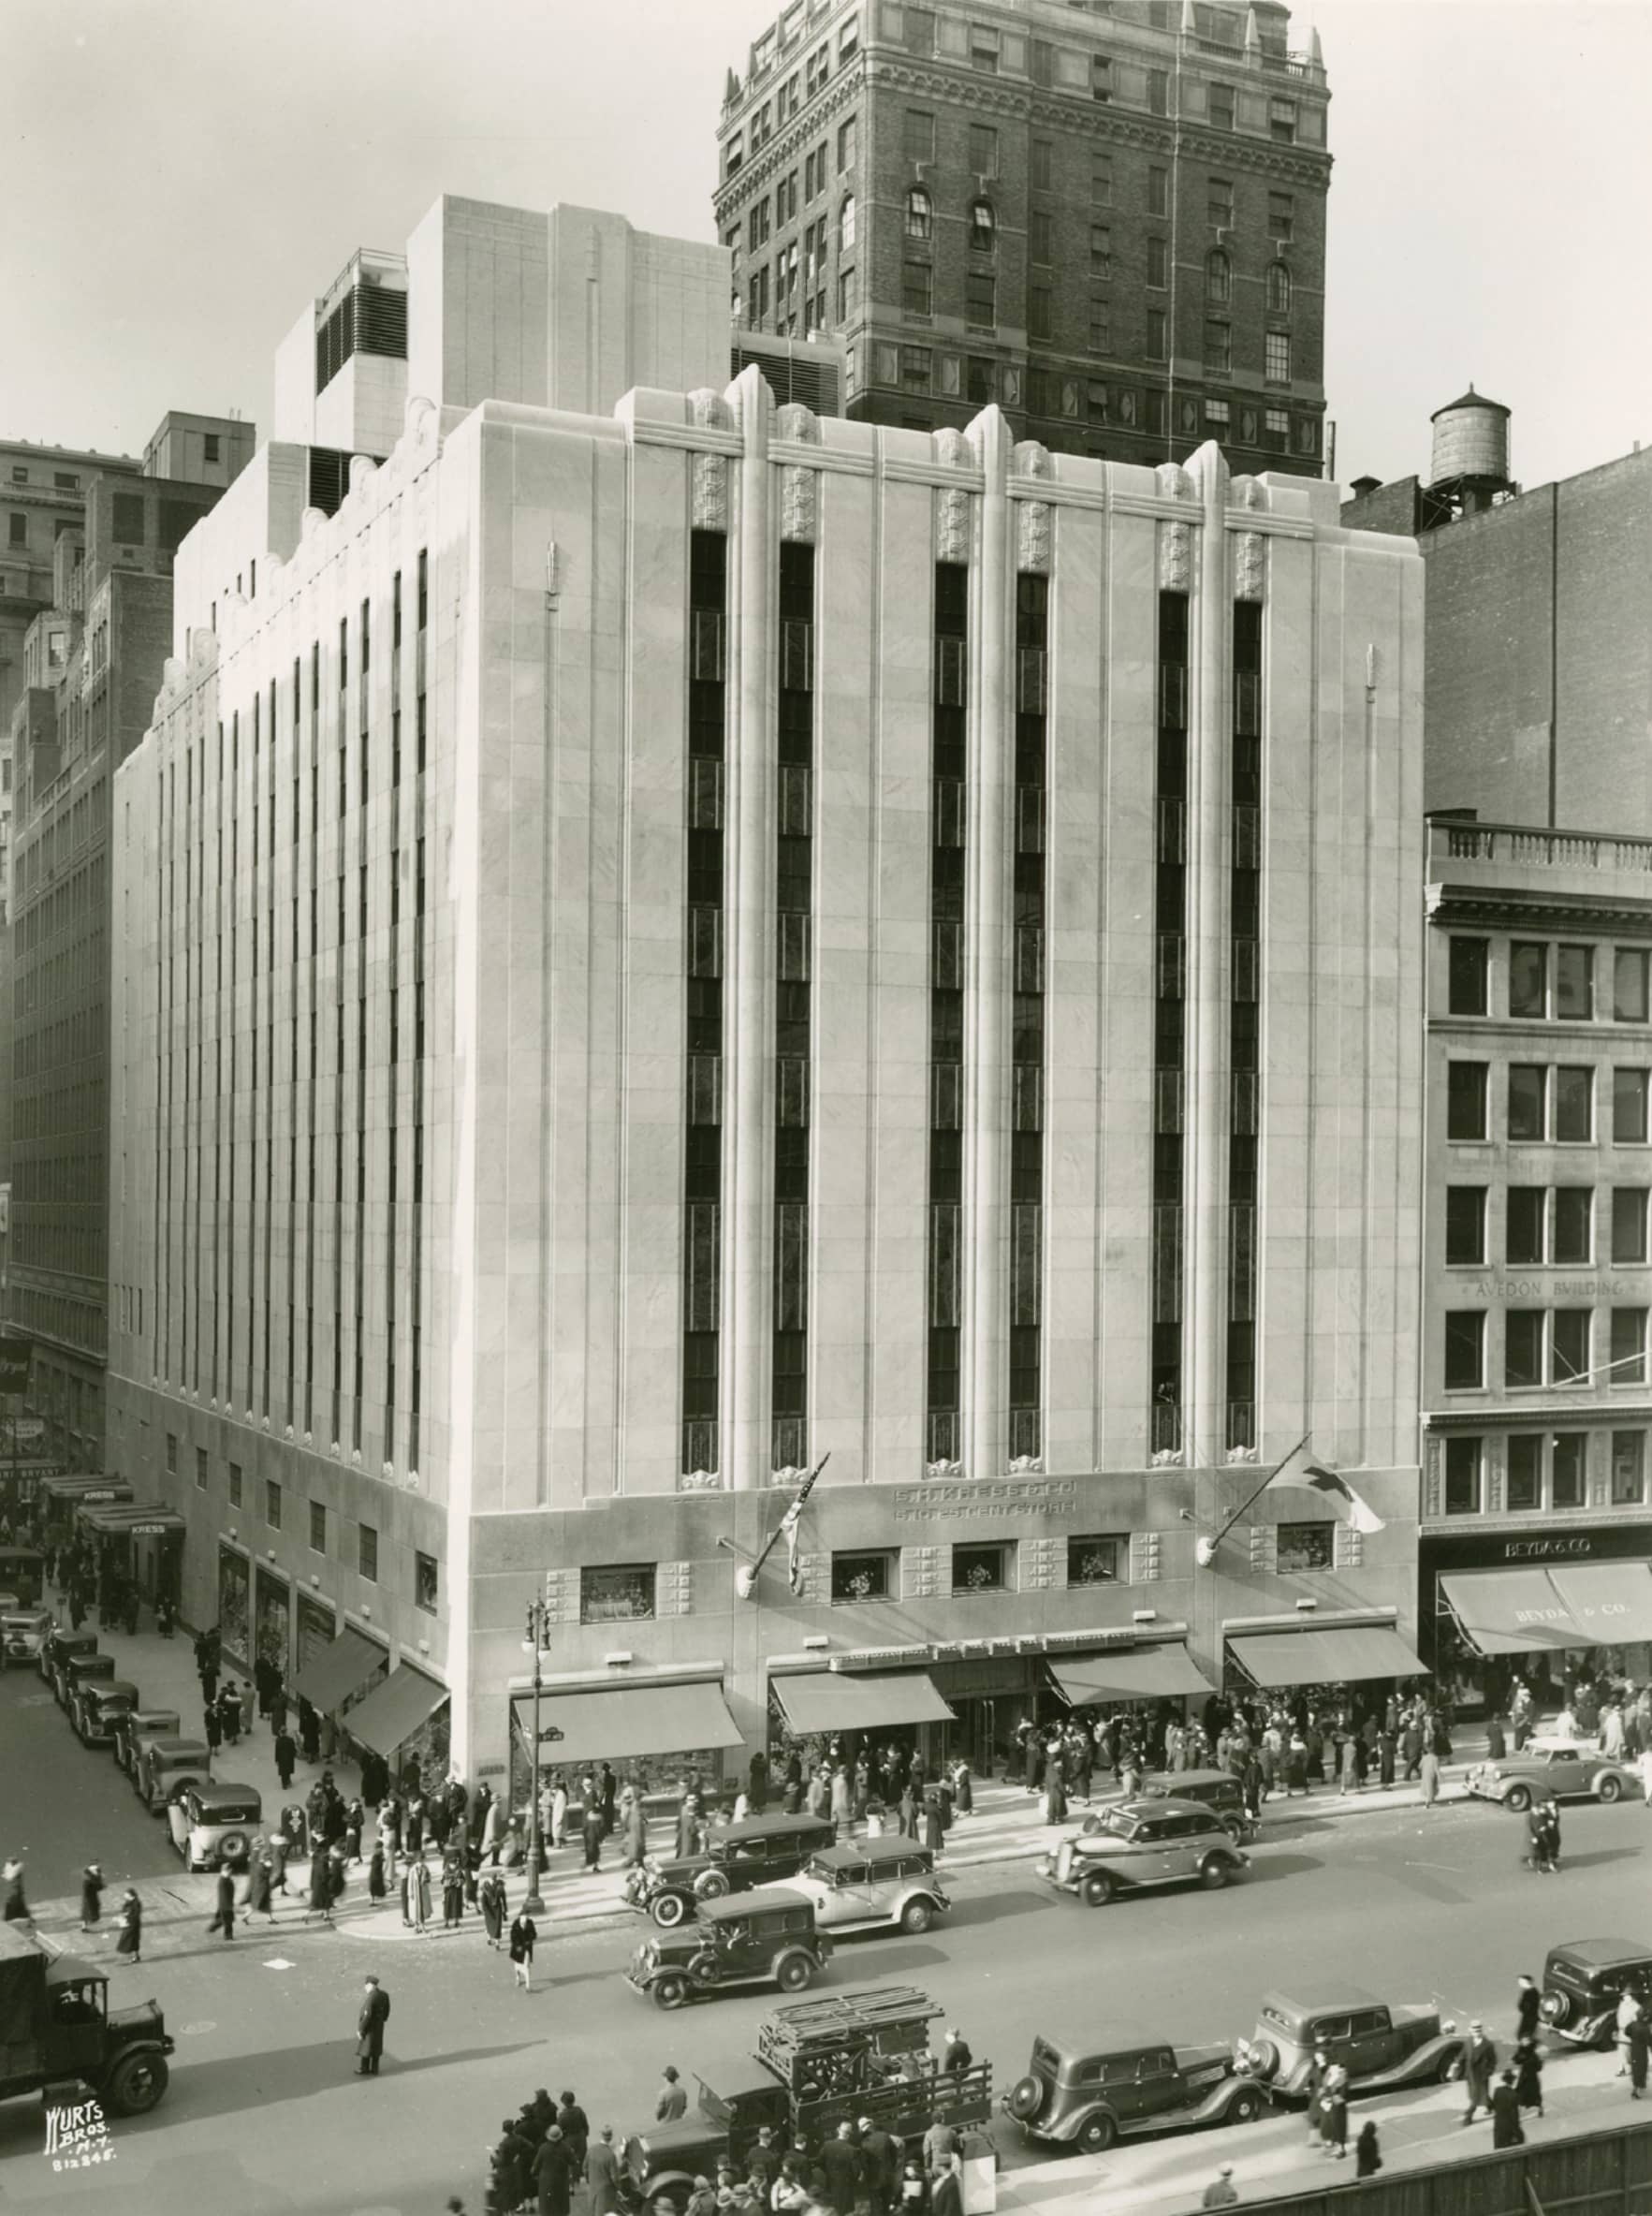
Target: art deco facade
(666, 946)
(1109, 221)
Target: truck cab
(58, 2026)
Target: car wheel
(135, 2083)
(713, 1885)
(670, 1992)
(793, 1972)
(1265, 2057)
(1610, 1788)
(702, 1968)
(1556, 2008)
(1024, 2099)
(1099, 1889)
(1096, 2134)
(233, 1847)
(1244, 2108)
(1214, 1873)
(668, 1910)
(1518, 1797)
(917, 1915)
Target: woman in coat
(842, 1803)
(91, 1897)
(559, 1812)
(320, 1887)
(129, 1946)
(963, 1787)
(689, 1835)
(523, 1933)
(1334, 2111)
(375, 1875)
(354, 1824)
(413, 1824)
(491, 1899)
(1368, 2152)
(1528, 2074)
(635, 1826)
(934, 1821)
(258, 1882)
(1428, 1769)
(453, 1892)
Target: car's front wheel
(1099, 1889)
(1610, 1788)
(917, 1915)
(1244, 2108)
(670, 1992)
(713, 1885)
(793, 1972)
(1518, 1797)
(668, 1910)
(1096, 2134)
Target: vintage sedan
(737, 1858)
(1554, 1769)
(1092, 2092)
(213, 1823)
(875, 1885)
(764, 1939)
(23, 1634)
(1585, 1980)
(1380, 2048)
(1136, 1845)
(97, 1705)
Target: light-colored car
(1556, 1769)
(213, 1824)
(23, 1634)
(160, 1765)
(1136, 1845)
(873, 1885)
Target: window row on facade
(1548, 1226)
(1544, 1346)
(1556, 1104)
(1526, 1472)
(1562, 981)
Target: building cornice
(1551, 1416)
(791, 142)
(1513, 906)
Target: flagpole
(773, 1539)
(1252, 1500)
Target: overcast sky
(181, 176)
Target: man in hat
(553, 2175)
(1480, 2060)
(880, 2166)
(1221, 2192)
(369, 2028)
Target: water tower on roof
(1470, 466)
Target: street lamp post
(533, 1905)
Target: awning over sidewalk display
(82, 1487)
(1162, 1671)
(395, 1710)
(615, 1723)
(1323, 1655)
(334, 1674)
(137, 1519)
(863, 1700)
(1537, 1611)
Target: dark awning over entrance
(865, 1700)
(1162, 1671)
(1600, 1603)
(334, 1675)
(1323, 1655)
(395, 1710)
(614, 1722)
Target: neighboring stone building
(1110, 222)
(1535, 1537)
(1539, 682)
(666, 946)
(91, 660)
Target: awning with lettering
(396, 1708)
(138, 1519)
(83, 1487)
(334, 1674)
(1611, 1600)
(1514, 1612)
(1323, 1655)
(864, 1700)
(618, 1723)
(1164, 1671)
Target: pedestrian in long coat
(224, 1914)
(369, 2028)
(248, 1703)
(1350, 1764)
(1334, 2112)
(591, 1832)
(308, 1732)
(1430, 1772)
(91, 1897)
(491, 1901)
(129, 1946)
(1031, 1759)
(286, 1756)
(1528, 2073)
(523, 1934)
(1386, 1748)
(258, 1879)
(1505, 2113)
(211, 1730)
(688, 1827)
(417, 1893)
(842, 1801)
(559, 1812)
(320, 1887)
(1479, 2062)
(635, 1826)
(375, 1874)
(1638, 2045)
(1368, 2152)
(229, 1713)
(413, 1824)
(453, 1892)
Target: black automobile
(1585, 1980)
(767, 1941)
(1218, 1790)
(1091, 2094)
(737, 1858)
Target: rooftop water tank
(1470, 441)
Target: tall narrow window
(702, 1151)
(1244, 1027)
(789, 1440)
(949, 830)
(1027, 1051)
(1170, 1021)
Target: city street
(1415, 1906)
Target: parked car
(1138, 1843)
(1380, 2048)
(768, 1941)
(1585, 1980)
(23, 1634)
(737, 1858)
(97, 1706)
(874, 1885)
(1088, 2094)
(75, 1673)
(58, 1647)
(213, 1824)
(1218, 1790)
(23, 1574)
(1560, 1771)
(160, 1764)
(141, 1724)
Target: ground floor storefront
(1549, 1608)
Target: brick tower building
(1110, 220)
